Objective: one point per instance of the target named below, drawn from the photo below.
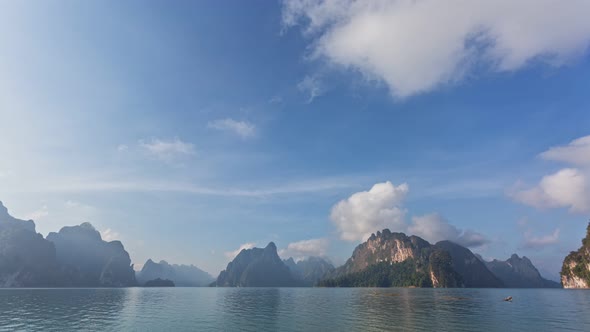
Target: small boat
(508, 299)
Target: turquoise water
(293, 309)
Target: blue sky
(189, 129)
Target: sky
(191, 129)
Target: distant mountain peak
(181, 275)
(256, 267)
(3, 209)
(87, 225)
(519, 272)
(7, 219)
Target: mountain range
(389, 259)
(180, 275)
(77, 256)
(519, 272)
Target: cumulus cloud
(233, 254)
(109, 235)
(381, 207)
(531, 241)
(305, 248)
(415, 46)
(311, 86)
(167, 149)
(366, 212)
(243, 129)
(567, 188)
(434, 228)
(577, 152)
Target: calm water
(293, 309)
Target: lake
(294, 309)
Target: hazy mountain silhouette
(88, 261)
(257, 267)
(517, 272)
(181, 275)
(26, 258)
(309, 270)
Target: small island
(159, 283)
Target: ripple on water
(293, 309)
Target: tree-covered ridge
(436, 271)
(383, 274)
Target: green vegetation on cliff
(575, 272)
(384, 274)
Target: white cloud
(567, 188)
(244, 129)
(381, 207)
(434, 228)
(311, 86)
(122, 148)
(76, 185)
(577, 152)
(38, 214)
(414, 46)
(531, 241)
(366, 212)
(233, 254)
(109, 235)
(305, 248)
(167, 149)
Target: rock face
(256, 267)
(384, 247)
(517, 272)
(181, 275)
(88, 261)
(575, 272)
(310, 270)
(159, 283)
(394, 259)
(26, 258)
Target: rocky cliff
(385, 247)
(26, 258)
(517, 272)
(575, 272)
(88, 261)
(395, 259)
(257, 267)
(181, 275)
